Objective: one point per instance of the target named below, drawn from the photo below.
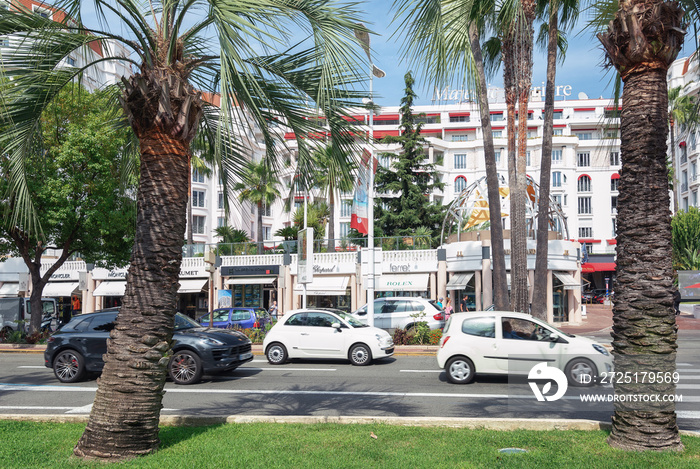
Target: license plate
(245, 356)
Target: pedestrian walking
(273, 311)
(448, 309)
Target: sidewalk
(599, 318)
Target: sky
(582, 70)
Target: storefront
(414, 285)
(193, 293)
(248, 286)
(461, 285)
(63, 286)
(327, 291)
(110, 286)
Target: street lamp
(374, 71)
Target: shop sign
(249, 270)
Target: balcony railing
(395, 243)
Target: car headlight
(601, 349)
(210, 341)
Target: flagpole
(370, 204)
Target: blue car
(227, 318)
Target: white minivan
(403, 313)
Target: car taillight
(444, 341)
(439, 317)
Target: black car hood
(226, 336)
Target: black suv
(78, 347)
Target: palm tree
(259, 187)
(230, 237)
(317, 216)
(550, 10)
(332, 177)
(442, 39)
(178, 49)
(641, 42)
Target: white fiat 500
(325, 333)
(500, 342)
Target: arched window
(614, 182)
(584, 183)
(460, 184)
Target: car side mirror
(336, 325)
(553, 337)
(361, 313)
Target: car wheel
(411, 329)
(69, 366)
(577, 369)
(276, 354)
(460, 370)
(185, 367)
(360, 355)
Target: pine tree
(403, 189)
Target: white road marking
(688, 414)
(86, 409)
(690, 377)
(35, 367)
(684, 364)
(421, 371)
(286, 369)
(688, 386)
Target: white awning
(9, 289)
(402, 282)
(568, 280)
(250, 280)
(54, 289)
(326, 285)
(110, 289)
(459, 281)
(192, 285)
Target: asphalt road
(405, 386)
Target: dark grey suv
(77, 348)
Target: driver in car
(509, 333)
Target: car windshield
(183, 322)
(350, 319)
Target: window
(613, 203)
(197, 175)
(103, 323)
(265, 210)
(584, 184)
(460, 184)
(585, 232)
(693, 171)
(320, 320)
(70, 61)
(346, 208)
(614, 227)
(460, 138)
(4, 42)
(527, 159)
(459, 118)
(497, 155)
(296, 320)
(584, 205)
(557, 114)
(480, 327)
(496, 116)
(558, 132)
(612, 113)
(614, 158)
(43, 13)
(614, 183)
(584, 135)
(198, 198)
(557, 157)
(460, 161)
(385, 161)
(532, 133)
(584, 113)
(428, 119)
(220, 222)
(557, 179)
(344, 230)
(220, 198)
(267, 233)
(694, 199)
(611, 134)
(497, 133)
(557, 199)
(198, 224)
(584, 159)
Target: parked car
(228, 318)
(77, 348)
(324, 333)
(501, 342)
(403, 313)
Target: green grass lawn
(329, 446)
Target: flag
(359, 218)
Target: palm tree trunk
(331, 220)
(259, 230)
(642, 41)
(540, 291)
(500, 286)
(124, 419)
(673, 165)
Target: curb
(449, 422)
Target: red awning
(615, 176)
(385, 133)
(590, 267)
(387, 117)
(468, 129)
(458, 114)
(431, 131)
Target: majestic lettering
(494, 93)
